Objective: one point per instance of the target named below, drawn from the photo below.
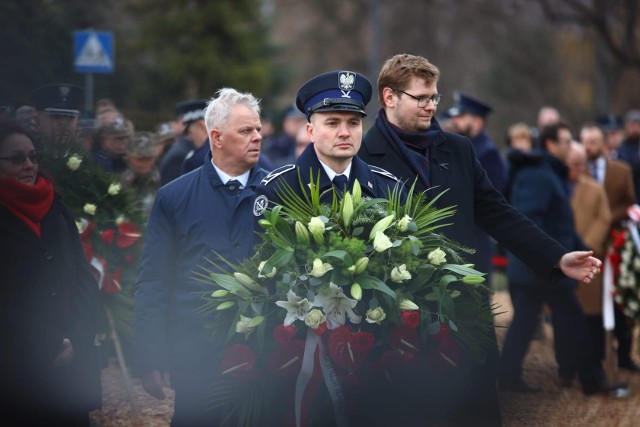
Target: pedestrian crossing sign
(93, 52)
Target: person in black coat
(407, 140)
(49, 299)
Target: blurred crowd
(145, 159)
(576, 181)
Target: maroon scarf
(30, 203)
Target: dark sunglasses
(20, 159)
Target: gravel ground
(553, 407)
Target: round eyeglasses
(423, 101)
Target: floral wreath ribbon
(336, 392)
(608, 318)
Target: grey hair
(218, 109)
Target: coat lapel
(440, 164)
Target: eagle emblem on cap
(64, 92)
(346, 82)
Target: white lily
(381, 242)
(316, 228)
(319, 268)
(337, 306)
(297, 308)
(403, 223)
(262, 274)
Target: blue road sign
(93, 52)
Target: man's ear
(387, 96)
(310, 132)
(215, 137)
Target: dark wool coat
(540, 191)
(454, 168)
(48, 293)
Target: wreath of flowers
(109, 222)
(341, 293)
(625, 262)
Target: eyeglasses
(20, 159)
(423, 101)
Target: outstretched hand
(580, 265)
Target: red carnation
(362, 342)
(284, 334)
(410, 318)
(128, 234)
(238, 361)
(107, 236)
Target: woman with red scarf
(49, 372)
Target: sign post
(93, 52)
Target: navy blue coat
(540, 191)
(192, 216)
(454, 166)
(374, 181)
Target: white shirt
(331, 174)
(599, 167)
(242, 179)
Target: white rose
(74, 162)
(437, 256)
(90, 208)
(400, 274)
(375, 315)
(314, 319)
(114, 189)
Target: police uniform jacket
(192, 216)
(48, 293)
(454, 166)
(374, 181)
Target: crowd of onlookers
(600, 157)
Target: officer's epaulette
(276, 173)
(383, 172)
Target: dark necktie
(340, 182)
(233, 185)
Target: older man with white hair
(208, 209)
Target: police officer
(58, 107)
(468, 117)
(334, 104)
